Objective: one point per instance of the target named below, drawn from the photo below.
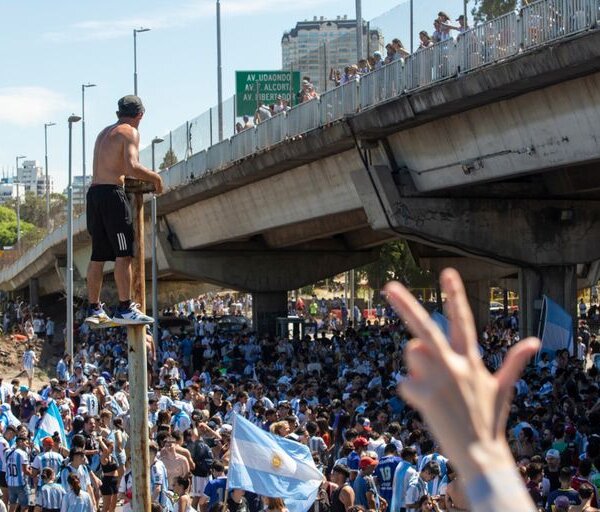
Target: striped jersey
(159, 482)
(52, 495)
(434, 485)
(81, 471)
(28, 359)
(51, 460)
(77, 503)
(90, 402)
(402, 476)
(4, 447)
(15, 460)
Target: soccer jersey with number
(51, 460)
(384, 472)
(15, 460)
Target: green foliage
(8, 228)
(33, 209)
(486, 10)
(169, 160)
(395, 263)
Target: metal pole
(83, 166)
(72, 119)
(412, 26)
(135, 61)
(153, 220)
(219, 73)
(466, 3)
(18, 201)
(46, 125)
(352, 297)
(359, 31)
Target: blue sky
(48, 49)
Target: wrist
(484, 457)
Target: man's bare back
(109, 154)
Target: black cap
(131, 106)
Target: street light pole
(412, 26)
(156, 140)
(135, 33)
(219, 74)
(83, 88)
(359, 31)
(72, 119)
(46, 125)
(18, 201)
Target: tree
(8, 228)
(486, 10)
(33, 209)
(395, 263)
(169, 160)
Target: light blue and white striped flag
(50, 423)
(270, 465)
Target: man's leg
(95, 275)
(123, 278)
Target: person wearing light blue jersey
(433, 486)
(89, 400)
(17, 474)
(385, 470)
(52, 494)
(159, 483)
(77, 500)
(405, 471)
(5, 441)
(417, 485)
(47, 459)
(77, 467)
(181, 420)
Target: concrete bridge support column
(34, 291)
(266, 308)
(478, 293)
(559, 283)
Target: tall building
(79, 190)
(8, 190)
(33, 178)
(314, 47)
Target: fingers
(515, 361)
(417, 319)
(463, 335)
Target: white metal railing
(547, 20)
(535, 24)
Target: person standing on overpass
(109, 218)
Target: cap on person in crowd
(23, 389)
(360, 442)
(461, 17)
(48, 442)
(552, 454)
(377, 54)
(442, 14)
(365, 462)
(225, 430)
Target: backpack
(323, 501)
(203, 459)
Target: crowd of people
(334, 392)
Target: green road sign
(256, 87)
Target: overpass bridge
(482, 152)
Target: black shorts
(3, 479)
(110, 485)
(109, 222)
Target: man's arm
(133, 167)
(347, 497)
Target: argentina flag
(270, 465)
(50, 423)
(555, 329)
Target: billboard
(256, 87)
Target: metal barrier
(547, 20)
(219, 155)
(488, 43)
(271, 132)
(243, 144)
(303, 118)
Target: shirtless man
(109, 218)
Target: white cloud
(27, 106)
(93, 30)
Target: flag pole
(226, 495)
